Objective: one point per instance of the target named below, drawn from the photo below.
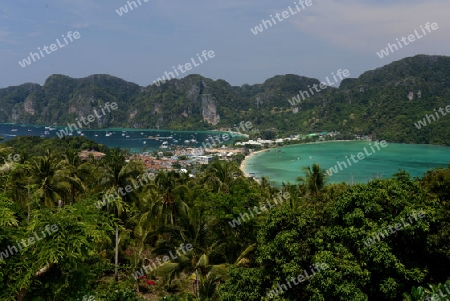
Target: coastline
(244, 162)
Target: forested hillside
(385, 102)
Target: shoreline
(244, 162)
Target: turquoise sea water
(137, 140)
(285, 164)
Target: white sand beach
(244, 162)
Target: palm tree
(117, 175)
(196, 229)
(20, 188)
(73, 162)
(169, 204)
(314, 180)
(50, 174)
(220, 175)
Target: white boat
(14, 130)
(145, 142)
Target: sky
(144, 43)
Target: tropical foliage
(179, 228)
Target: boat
(14, 130)
(145, 142)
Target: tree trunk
(116, 261)
(196, 282)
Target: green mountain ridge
(376, 103)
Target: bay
(285, 163)
(137, 140)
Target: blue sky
(141, 45)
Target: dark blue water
(137, 140)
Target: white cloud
(353, 25)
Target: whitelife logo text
(187, 66)
(53, 47)
(280, 17)
(411, 38)
(91, 118)
(296, 99)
